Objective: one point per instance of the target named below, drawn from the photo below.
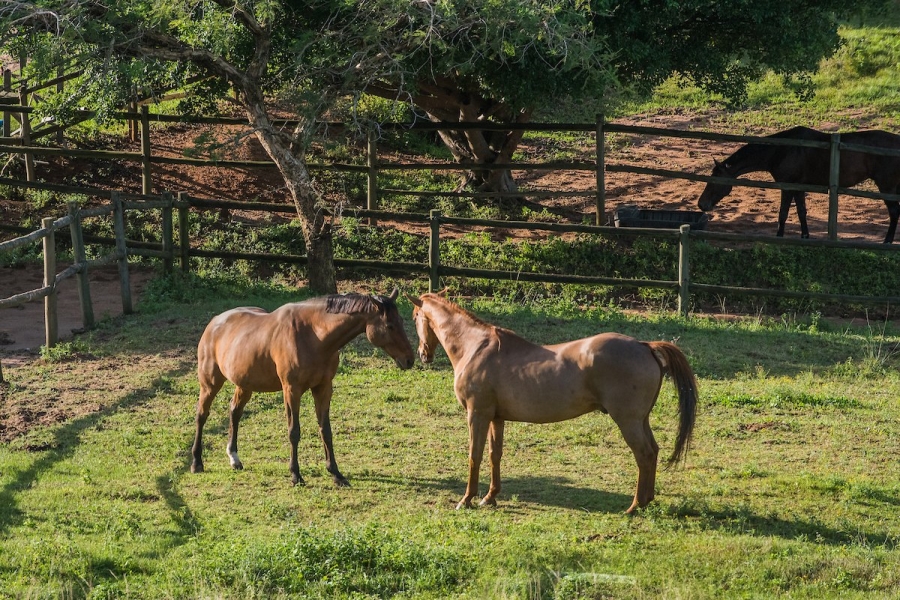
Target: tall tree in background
(453, 60)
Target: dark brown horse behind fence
(501, 377)
(292, 349)
(796, 164)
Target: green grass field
(790, 488)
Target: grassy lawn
(790, 488)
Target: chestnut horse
(293, 349)
(499, 377)
(797, 164)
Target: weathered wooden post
(51, 326)
(146, 171)
(833, 182)
(30, 174)
(434, 251)
(684, 270)
(601, 173)
(372, 164)
(7, 87)
(184, 242)
(80, 257)
(168, 241)
(122, 251)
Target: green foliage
(316, 563)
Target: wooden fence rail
(372, 166)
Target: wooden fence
(177, 247)
(372, 166)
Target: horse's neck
(459, 333)
(337, 330)
(750, 159)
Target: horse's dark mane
(356, 303)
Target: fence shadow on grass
(67, 437)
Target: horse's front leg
(322, 395)
(478, 429)
(786, 199)
(292, 395)
(495, 448)
(238, 402)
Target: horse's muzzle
(405, 363)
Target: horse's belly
(537, 403)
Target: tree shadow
(742, 521)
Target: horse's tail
(675, 363)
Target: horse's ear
(443, 292)
(395, 293)
(414, 300)
(717, 164)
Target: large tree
(453, 60)
(503, 60)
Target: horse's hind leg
(800, 199)
(238, 401)
(786, 199)
(893, 214)
(211, 381)
(639, 438)
(495, 448)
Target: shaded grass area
(790, 487)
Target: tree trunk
(316, 230)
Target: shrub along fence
(172, 248)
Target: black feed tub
(629, 215)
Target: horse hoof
(464, 504)
(237, 466)
(197, 468)
(488, 502)
(297, 481)
(341, 482)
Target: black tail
(678, 368)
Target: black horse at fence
(797, 164)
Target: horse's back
(609, 372)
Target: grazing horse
(499, 377)
(796, 164)
(293, 349)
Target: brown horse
(293, 349)
(796, 164)
(499, 377)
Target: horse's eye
(390, 326)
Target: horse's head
(713, 192)
(385, 330)
(428, 341)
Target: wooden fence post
(80, 257)
(601, 173)
(184, 243)
(434, 251)
(26, 136)
(372, 164)
(7, 87)
(51, 325)
(147, 174)
(122, 251)
(168, 241)
(684, 270)
(833, 182)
